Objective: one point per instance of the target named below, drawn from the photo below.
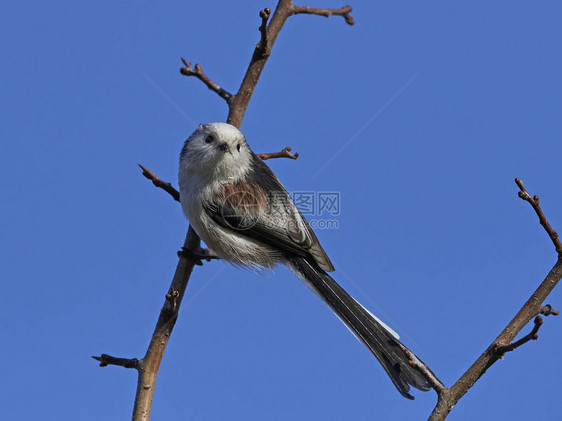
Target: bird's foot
(199, 255)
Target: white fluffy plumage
(244, 214)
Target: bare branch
(449, 397)
(534, 201)
(149, 365)
(343, 11)
(238, 103)
(285, 153)
(106, 360)
(164, 185)
(199, 74)
(531, 336)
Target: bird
(242, 212)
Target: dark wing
(268, 215)
(255, 227)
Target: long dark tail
(363, 324)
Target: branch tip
(263, 46)
(344, 11)
(106, 360)
(284, 153)
(167, 187)
(547, 310)
(535, 203)
(187, 70)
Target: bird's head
(217, 150)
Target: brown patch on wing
(245, 197)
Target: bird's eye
(209, 139)
(238, 147)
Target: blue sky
(430, 228)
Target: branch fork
(545, 310)
(271, 25)
(448, 398)
(531, 336)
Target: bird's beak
(223, 147)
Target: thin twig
(149, 365)
(199, 74)
(106, 360)
(547, 310)
(164, 185)
(424, 370)
(342, 11)
(285, 153)
(531, 336)
(534, 201)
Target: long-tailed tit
(244, 214)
